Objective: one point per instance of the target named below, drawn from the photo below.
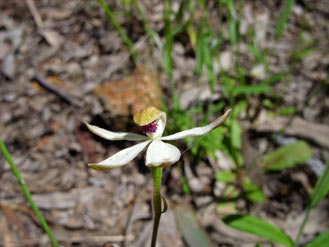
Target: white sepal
(161, 154)
(121, 158)
(199, 130)
(115, 136)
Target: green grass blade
(168, 40)
(257, 53)
(321, 187)
(155, 36)
(274, 78)
(287, 156)
(320, 241)
(199, 51)
(27, 194)
(126, 40)
(257, 227)
(283, 18)
(232, 22)
(251, 89)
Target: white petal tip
(228, 112)
(225, 116)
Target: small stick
(35, 14)
(52, 88)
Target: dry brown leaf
(132, 94)
(16, 220)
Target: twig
(35, 13)
(52, 88)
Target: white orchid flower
(159, 154)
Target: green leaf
(226, 207)
(231, 192)
(189, 227)
(287, 111)
(255, 194)
(123, 35)
(283, 18)
(27, 193)
(167, 58)
(185, 187)
(257, 227)
(251, 89)
(236, 135)
(274, 78)
(287, 156)
(268, 104)
(257, 53)
(168, 41)
(252, 191)
(225, 176)
(232, 22)
(321, 187)
(320, 241)
(199, 50)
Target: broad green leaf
(225, 176)
(320, 241)
(255, 195)
(257, 227)
(283, 18)
(287, 156)
(321, 188)
(252, 191)
(189, 227)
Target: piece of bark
(315, 132)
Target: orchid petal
(161, 154)
(115, 136)
(121, 158)
(199, 130)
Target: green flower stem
(156, 175)
(27, 194)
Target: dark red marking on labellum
(150, 128)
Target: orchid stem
(156, 175)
